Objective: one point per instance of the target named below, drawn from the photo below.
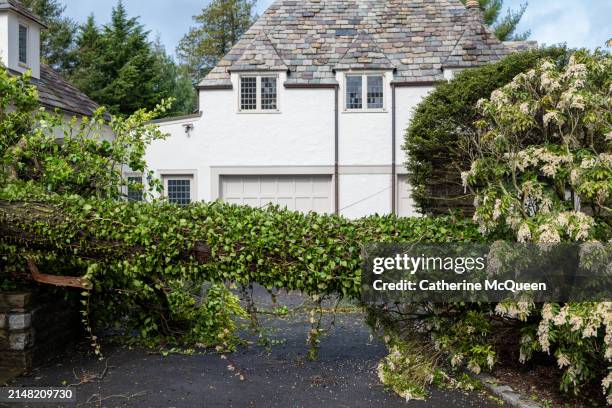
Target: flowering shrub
(543, 174)
(434, 140)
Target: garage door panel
(236, 201)
(304, 188)
(286, 186)
(300, 193)
(232, 187)
(321, 187)
(252, 187)
(268, 187)
(303, 204)
(253, 202)
(321, 205)
(289, 203)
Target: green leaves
(141, 251)
(439, 140)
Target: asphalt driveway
(280, 376)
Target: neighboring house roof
(54, 92)
(17, 7)
(415, 38)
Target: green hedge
(445, 119)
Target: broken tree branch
(63, 281)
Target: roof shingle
(21, 9)
(56, 93)
(415, 38)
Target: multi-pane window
(135, 192)
(23, 44)
(248, 93)
(375, 92)
(268, 93)
(178, 190)
(258, 93)
(364, 92)
(354, 92)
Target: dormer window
(23, 44)
(258, 93)
(364, 92)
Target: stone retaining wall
(34, 329)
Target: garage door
(297, 193)
(405, 203)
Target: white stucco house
(309, 108)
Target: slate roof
(56, 93)
(415, 38)
(259, 55)
(364, 53)
(21, 9)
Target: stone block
(17, 360)
(19, 321)
(16, 340)
(15, 300)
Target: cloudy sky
(579, 23)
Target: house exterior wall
(3, 38)
(9, 43)
(298, 140)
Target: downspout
(336, 152)
(393, 155)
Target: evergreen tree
(217, 29)
(504, 27)
(58, 40)
(87, 75)
(117, 65)
(174, 81)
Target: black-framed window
(258, 93)
(178, 190)
(365, 92)
(375, 92)
(268, 93)
(354, 92)
(23, 44)
(248, 93)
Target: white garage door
(405, 203)
(297, 193)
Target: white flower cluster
(548, 162)
(514, 310)
(499, 98)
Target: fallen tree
(146, 263)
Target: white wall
(301, 134)
(365, 137)
(299, 137)
(9, 43)
(406, 98)
(3, 38)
